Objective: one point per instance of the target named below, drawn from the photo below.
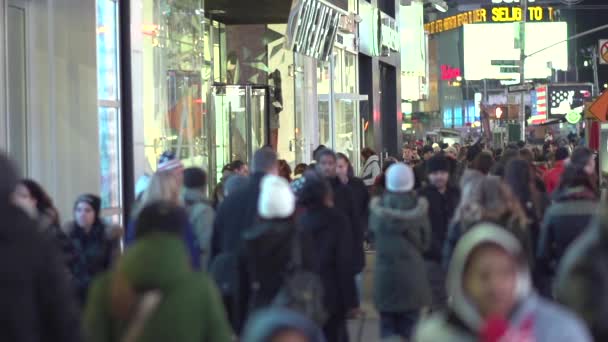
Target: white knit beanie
(276, 200)
(399, 178)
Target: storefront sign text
(501, 14)
(448, 73)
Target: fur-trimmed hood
(401, 209)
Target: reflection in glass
(109, 146)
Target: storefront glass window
(109, 109)
(448, 118)
(172, 63)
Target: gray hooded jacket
(402, 233)
(551, 323)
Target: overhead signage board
(563, 99)
(493, 56)
(599, 107)
(497, 14)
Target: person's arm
(450, 243)
(56, 300)
(96, 320)
(216, 321)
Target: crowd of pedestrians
(468, 243)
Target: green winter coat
(402, 233)
(190, 309)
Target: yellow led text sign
(501, 14)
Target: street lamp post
(522, 60)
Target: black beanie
(195, 178)
(472, 152)
(161, 216)
(437, 163)
(561, 154)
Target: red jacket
(552, 177)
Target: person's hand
(354, 313)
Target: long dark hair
(574, 176)
(351, 171)
(44, 203)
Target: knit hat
(399, 178)
(561, 153)
(92, 200)
(437, 163)
(161, 216)
(276, 200)
(168, 161)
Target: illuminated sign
(494, 56)
(566, 98)
(500, 14)
(389, 34)
(573, 117)
(448, 73)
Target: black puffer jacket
(36, 301)
(441, 211)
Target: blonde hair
(163, 187)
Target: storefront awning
(247, 12)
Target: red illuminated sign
(448, 73)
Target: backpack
(302, 290)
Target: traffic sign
(520, 88)
(603, 51)
(599, 107)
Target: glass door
(241, 123)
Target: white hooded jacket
(551, 323)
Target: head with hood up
(281, 325)
(488, 275)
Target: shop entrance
(241, 119)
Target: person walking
(553, 176)
(371, 166)
(344, 201)
(153, 294)
(489, 200)
(267, 244)
(581, 280)
(574, 207)
(38, 303)
(346, 174)
(420, 169)
(31, 197)
(492, 298)
(332, 243)
(402, 232)
(443, 199)
(93, 246)
(165, 186)
(236, 214)
(281, 325)
(200, 211)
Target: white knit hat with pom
(276, 200)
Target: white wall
(62, 113)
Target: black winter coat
(361, 205)
(268, 249)
(332, 243)
(344, 201)
(565, 220)
(36, 301)
(236, 214)
(582, 279)
(441, 211)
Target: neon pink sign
(448, 73)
